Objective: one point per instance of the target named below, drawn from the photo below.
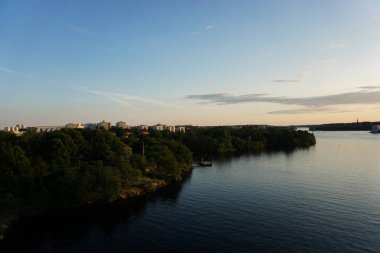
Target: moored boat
(205, 163)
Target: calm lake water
(322, 199)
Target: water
(322, 199)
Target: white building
(21, 126)
(15, 129)
(170, 128)
(74, 125)
(143, 127)
(180, 129)
(158, 127)
(122, 124)
(48, 128)
(105, 125)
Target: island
(70, 168)
(354, 126)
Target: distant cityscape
(19, 129)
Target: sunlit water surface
(322, 199)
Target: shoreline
(138, 189)
(142, 187)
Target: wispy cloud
(308, 71)
(78, 29)
(73, 27)
(107, 95)
(337, 45)
(12, 71)
(369, 87)
(209, 81)
(124, 99)
(311, 104)
(286, 81)
(321, 63)
(301, 78)
(194, 33)
(305, 75)
(209, 27)
(312, 110)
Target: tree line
(228, 140)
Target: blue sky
(189, 62)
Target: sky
(189, 62)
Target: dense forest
(224, 140)
(75, 167)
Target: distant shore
(355, 126)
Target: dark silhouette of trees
(227, 140)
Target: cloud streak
(311, 104)
(207, 28)
(286, 81)
(308, 72)
(369, 87)
(321, 63)
(14, 72)
(338, 46)
(312, 110)
(125, 99)
(73, 27)
(194, 33)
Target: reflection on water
(78, 224)
(322, 199)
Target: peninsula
(69, 168)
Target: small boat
(205, 163)
(375, 129)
